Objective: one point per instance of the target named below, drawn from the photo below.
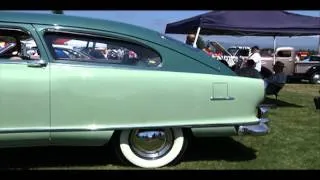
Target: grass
(293, 143)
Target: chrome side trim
(104, 128)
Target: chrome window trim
(14, 28)
(65, 30)
(20, 29)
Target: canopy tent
(247, 23)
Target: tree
(57, 11)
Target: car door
(91, 87)
(24, 87)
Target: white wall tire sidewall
(127, 152)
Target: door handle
(222, 98)
(37, 63)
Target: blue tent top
(248, 23)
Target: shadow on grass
(63, 157)
(280, 103)
(218, 148)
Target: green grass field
(293, 143)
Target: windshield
(232, 51)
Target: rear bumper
(260, 129)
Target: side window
(86, 48)
(17, 45)
(284, 53)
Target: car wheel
(315, 78)
(152, 148)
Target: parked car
(308, 69)
(149, 109)
(294, 68)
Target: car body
(311, 58)
(148, 103)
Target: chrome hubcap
(316, 78)
(151, 144)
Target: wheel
(152, 148)
(315, 78)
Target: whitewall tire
(152, 148)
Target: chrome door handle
(221, 98)
(37, 63)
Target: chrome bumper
(260, 129)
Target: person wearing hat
(278, 78)
(249, 70)
(256, 57)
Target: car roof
(106, 25)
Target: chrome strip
(222, 98)
(102, 65)
(24, 62)
(75, 32)
(114, 36)
(104, 128)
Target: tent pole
(197, 36)
(274, 49)
(319, 39)
(319, 45)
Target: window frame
(19, 29)
(95, 35)
(291, 53)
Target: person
(249, 70)
(208, 50)
(190, 39)
(256, 57)
(278, 78)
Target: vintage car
(149, 106)
(308, 69)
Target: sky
(157, 20)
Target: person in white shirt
(278, 78)
(256, 57)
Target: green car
(142, 90)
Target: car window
(232, 51)
(86, 48)
(284, 53)
(266, 52)
(17, 45)
(243, 52)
